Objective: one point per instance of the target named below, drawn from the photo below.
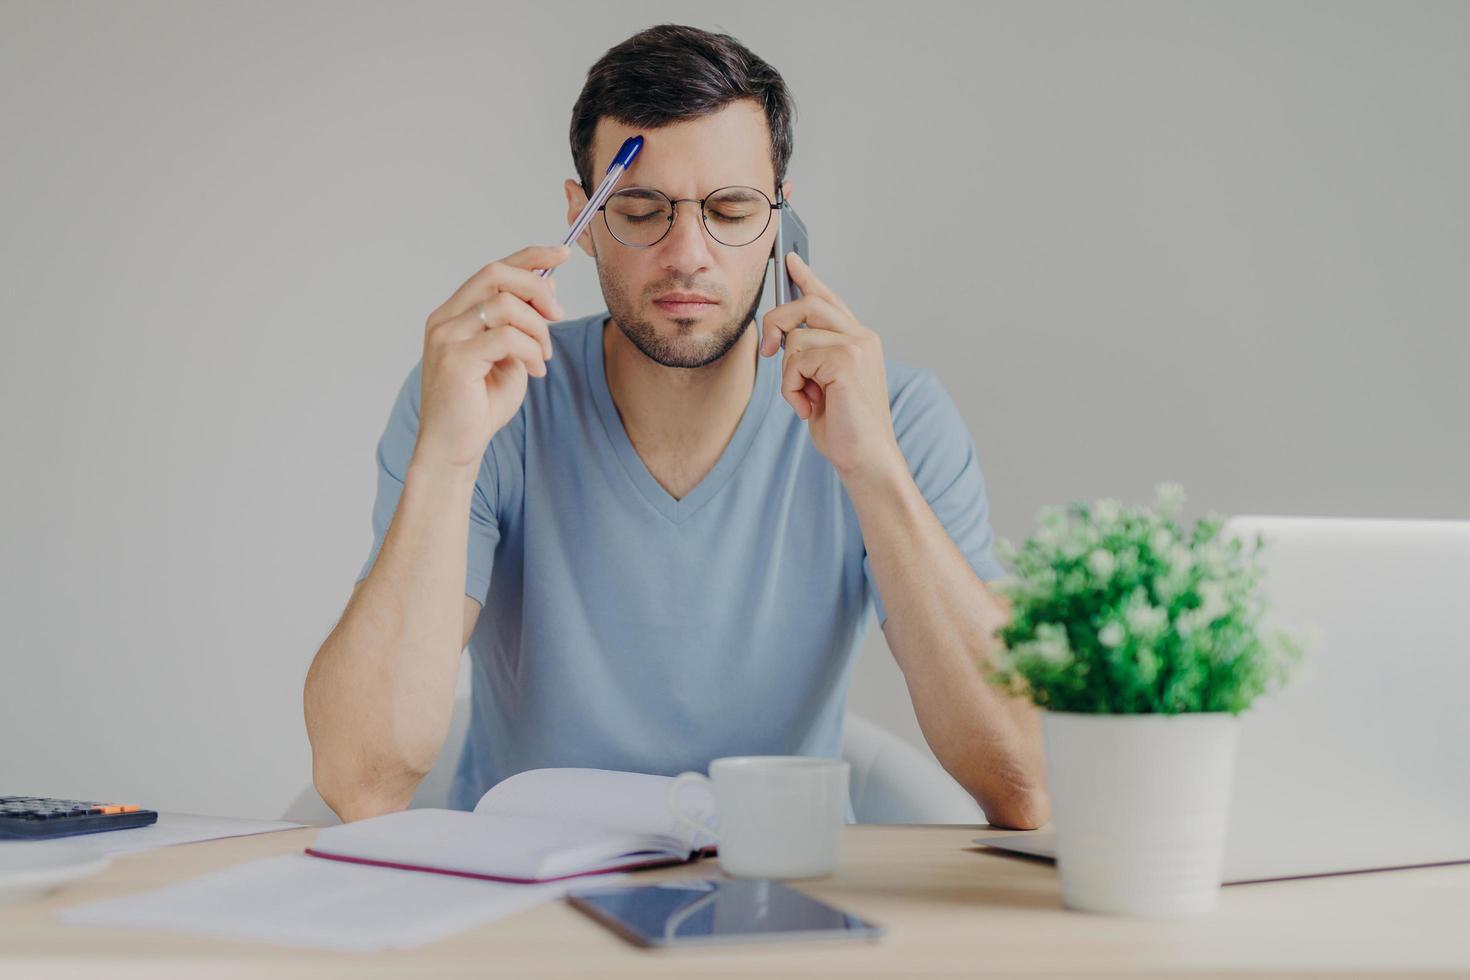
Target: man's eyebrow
(739, 192)
(642, 193)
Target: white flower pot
(1139, 805)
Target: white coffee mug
(780, 816)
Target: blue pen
(615, 170)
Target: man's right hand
(475, 373)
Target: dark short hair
(670, 73)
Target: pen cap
(626, 153)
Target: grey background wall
(1218, 243)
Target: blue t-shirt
(624, 629)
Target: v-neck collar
(675, 510)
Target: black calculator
(41, 817)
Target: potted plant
(1142, 643)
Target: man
(672, 564)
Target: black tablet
(701, 913)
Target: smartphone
(681, 913)
(790, 237)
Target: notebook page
(629, 801)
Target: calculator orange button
(128, 808)
(112, 809)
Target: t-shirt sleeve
(941, 456)
(395, 449)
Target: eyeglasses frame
(703, 218)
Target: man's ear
(786, 187)
(576, 201)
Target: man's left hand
(833, 377)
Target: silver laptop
(1363, 762)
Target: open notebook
(539, 825)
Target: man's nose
(686, 248)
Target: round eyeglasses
(734, 216)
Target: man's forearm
(380, 691)
(940, 624)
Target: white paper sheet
(170, 828)
(299, 900)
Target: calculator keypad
(49, 808)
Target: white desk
(952, 909)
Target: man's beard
(681, 351)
